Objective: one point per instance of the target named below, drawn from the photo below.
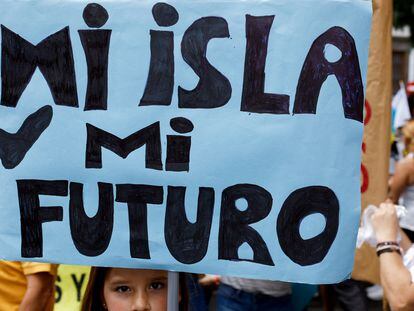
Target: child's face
(135, 290)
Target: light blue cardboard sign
(202, 136)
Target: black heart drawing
(13, 147)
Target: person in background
(351, 295)
(196, 293)
(238, 294)
(27, 286)
(402, 183)
(118, 289)
(396, 258)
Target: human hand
(209, 279)
(385, 222)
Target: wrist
(389, 250)
(381, 238)
(388, 247)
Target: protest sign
(376, 144)
(203, 136)
(71, 283)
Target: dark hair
(93, 297)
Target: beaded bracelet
(385, 246)
(387, 243)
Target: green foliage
(404, 15)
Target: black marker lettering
(91, 235)
(148, 136)
(58, 290)
(254, 99)
(235, 226)
(300, 204)
(160, 83)
(78, 285)
(32, 215)
(13, 147)
(137, 197)
(178, 147)
(95, 44)
(316, 70)
(53, 56)
(213, 89)
(187, 241)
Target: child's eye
(122, 289)
(157, 285)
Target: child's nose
(141, 302)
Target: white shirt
(407, 200)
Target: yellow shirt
(13, 281)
